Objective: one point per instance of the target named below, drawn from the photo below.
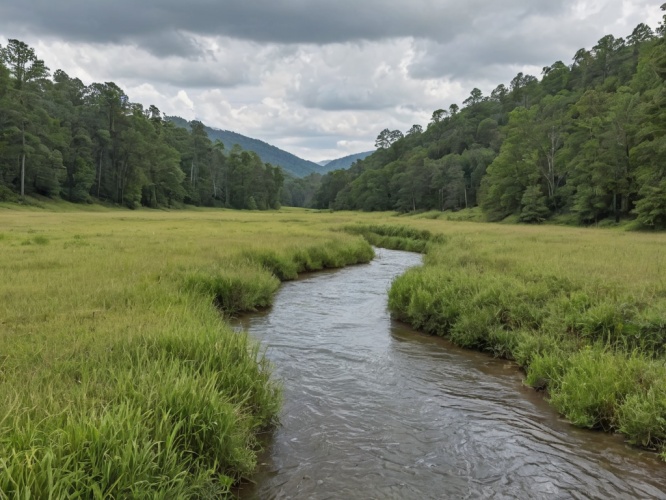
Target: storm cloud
(267, 21)
(318, 78)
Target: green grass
(583, 311)
(465, 215)
(395, 237)
(118, 377)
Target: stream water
(373, 409)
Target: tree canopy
(587, 139)
(61, 138)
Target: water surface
(373, 409)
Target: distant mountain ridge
(272, 154)
(268, 153)
(346, 161)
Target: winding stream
(373, 409)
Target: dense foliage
(61, 138)
(587, 140)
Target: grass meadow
(583, 311)
(118, 375)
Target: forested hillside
(345, 161)
(268, 153)
(61, 138)
(586, 141)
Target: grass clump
(289, 263)
(641, 416)
(235, 290)
(395, 237)
(582, 311)
(613, 391)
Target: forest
(584, 143)
(62, 139)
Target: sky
(317, 78)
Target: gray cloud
(537, 39)
(312, 75)
(279, 21)
(176, 43)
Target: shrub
(595, 383)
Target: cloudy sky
(318, 78)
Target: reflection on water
(373, 409)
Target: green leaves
(61, 138)
(22, 63)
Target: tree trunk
(23, 164)
(99, 174)
(550, 158)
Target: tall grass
(118, 377)
(583, 311)
(395, 237)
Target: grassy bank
(582, 310)
(395, 237)
(117, 376)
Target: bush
(595, 383)
(235, 290)
(642, 417)
(7, 194)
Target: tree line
(61, 138)
(587, 142)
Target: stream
(373, 409)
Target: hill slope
(268, 153)
(344, 162)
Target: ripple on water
(375, 410)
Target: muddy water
(373, 409)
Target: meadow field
(583, 311)
(119, 376)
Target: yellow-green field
(117, 374)
(118, 377)
(583, 311)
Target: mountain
(344, 162)
(323, 163)
(268, 153)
